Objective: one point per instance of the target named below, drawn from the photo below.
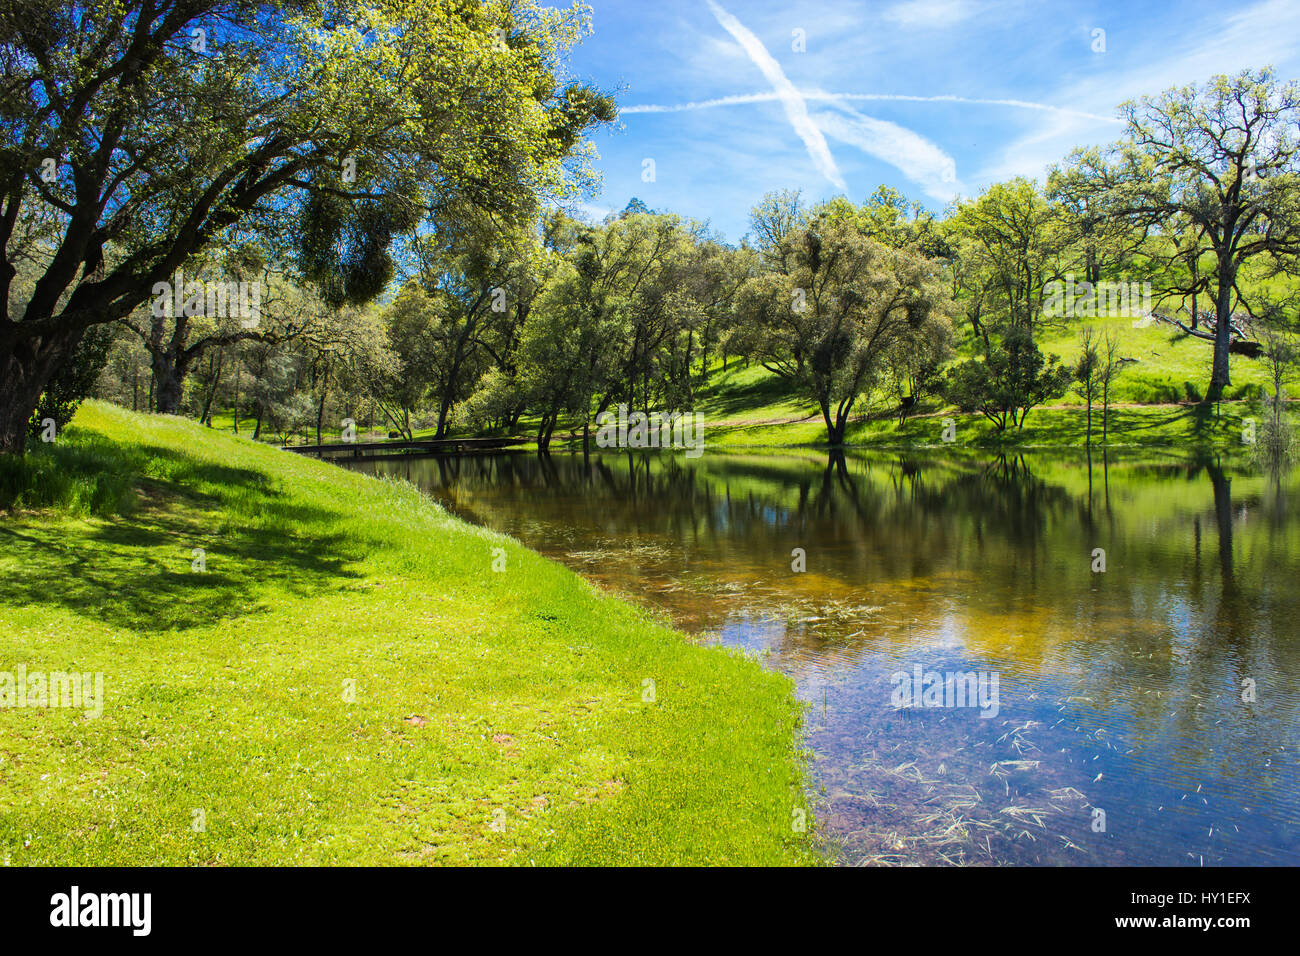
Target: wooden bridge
(397, 448)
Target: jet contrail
(743, 99)
(919, 159)
(785, 92)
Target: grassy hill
(346, 679)
(1155, 402)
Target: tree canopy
(139, 133)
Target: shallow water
(1162, 692)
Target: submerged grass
(348, 680)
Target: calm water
(1118, 690)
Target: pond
(1078, 660)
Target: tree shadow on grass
(1126, 425)
(142, 572)
(1206, 420)
(769, 390)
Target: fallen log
(1236, 346)
(1161, 317)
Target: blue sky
(937, 98)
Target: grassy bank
(498, 716)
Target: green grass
(498, 716)
(1153, 402)
(1168, 366)
(1155, 426)
(742, 394)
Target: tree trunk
(239, 368)
(206, 417)
(1105, 410)
(834, 429)
(444, 409)
(1220, 378)
(18, 397)
(320, 409)
(25, 368)
(170, 385)
(544, 428)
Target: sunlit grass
(1204, 426)
(498, 716)
(1167, 366)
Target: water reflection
(1148, 712)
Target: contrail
(919, 159)
(795, 107)
(820, 95)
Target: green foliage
(626, 308)
(1008, 244)
(517, 316)
(840, 306)
(73, 382)
(1276, 442)
(345, 246)
(1216, 169)
(321, 130)
(773, 219)
(1008, 382)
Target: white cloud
(1049, 143)
(1268, 32)
(595, 211)
(796, 110)
(930, 14)
(1252, 37)
(738, 100)
(919, 159)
